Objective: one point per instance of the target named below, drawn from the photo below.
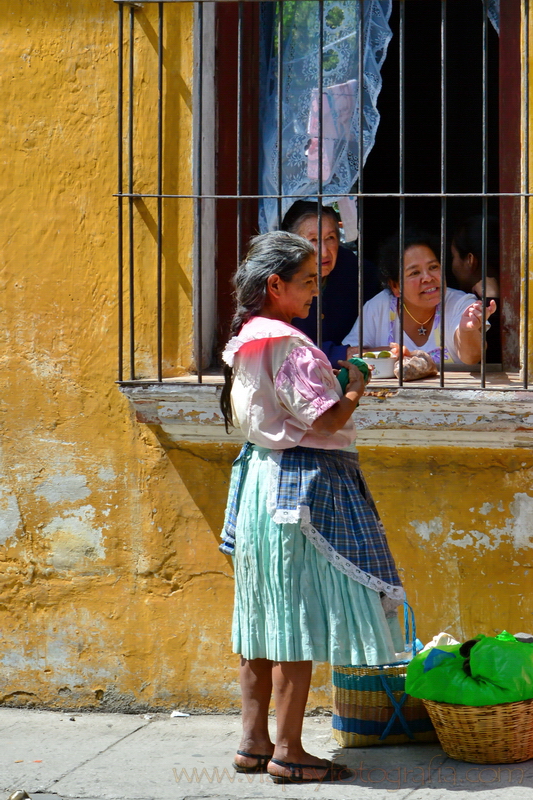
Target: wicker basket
(501, 734)
(362, 708)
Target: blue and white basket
(371, 707)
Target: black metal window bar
(128, 196)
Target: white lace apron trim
(302, 514)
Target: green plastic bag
(502, 672)
(343, 374)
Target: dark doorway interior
(422, 137)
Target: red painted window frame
(510, 179)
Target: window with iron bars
(452, 141)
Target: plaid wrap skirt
(292, 601)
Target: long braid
(241, 317)
(225, 397)
(275, 253)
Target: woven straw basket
(362, 709)
(501, 734)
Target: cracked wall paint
(10, 519)
(74, 539)
(88, 492)
(63, 489)
(518, 528)
(106, 474)
(460, 525)
(427, 529)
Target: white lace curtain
(340, 98)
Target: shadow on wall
(205, 472)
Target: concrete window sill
(501, 415)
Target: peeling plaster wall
(112, 591)
(460, 522)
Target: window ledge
(391, 416)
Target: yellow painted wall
(112, 591)
(460, 521)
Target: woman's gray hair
(276, 253)
(303, 210)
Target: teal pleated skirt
(291, 604)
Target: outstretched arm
(468, 336)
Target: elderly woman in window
(340, 279)
(422, 279)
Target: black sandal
(261, 765)
(332, 772)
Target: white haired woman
(340, 279)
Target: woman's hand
(356, 381)
(492, 288)
(472, 318)
(394, 348)
(468, 334)
(338, 415)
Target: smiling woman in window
(422, 281)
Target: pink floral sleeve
(305, 384)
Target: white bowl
(383, 367)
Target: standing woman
(314, 578)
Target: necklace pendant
(422, 330)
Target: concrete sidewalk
(139, 757)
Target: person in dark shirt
(467, 255)
(340, 279)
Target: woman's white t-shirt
(381, 324)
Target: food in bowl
(382, 354)
(382, 363)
